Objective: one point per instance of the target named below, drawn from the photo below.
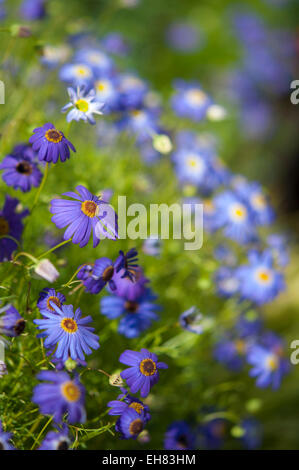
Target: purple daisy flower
(11, 322)
(46, 296)
(4, 439)
(33, 9)
(125, 402)
(127, 288)
(84, 214)
(51, 144)
(96, 277)
(62, 395)
(69, 331)
(143, 371)
(130, 424)
(56, 440)
(179, 437)
(21, 173)
(10, 225)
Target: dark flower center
(1, 446)
(131, 306)
(4, 226)
(108, 273)
(63, 445)
(19, 326)
(55, 301)
(89, 208)
(182, 441)
(136, 427)
(24, 168)
(148, 367)
(53, 135)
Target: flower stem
(40, 187)
(54, 248)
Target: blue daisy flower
(132, 91)
(79, 74)
(62, 395)
(137, 315)
(48, 295)
(259, 281)
(230, 351)
(143, 371)
(191, 166)
(252, 433)
(51, 144)
(192, 320)
(130, 424)
(86, 214)
(212, 433)
(252, 192)
(227, 282)
(21, 173)
(269, 365)
(190, 101)
(107, 92)
(179, 437)
(82, 106)
(115, 43)
(278, 245)
(56, 440)
(10, 225)
(11, 322)
(100, 63)
(69, 331)
(5, 439)
(235, 217)
(249, 324)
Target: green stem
(40, 434)
(54, 248)
(74, 275)
(27, 255)
(40, 187)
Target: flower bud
(162, 143)
(46, 270)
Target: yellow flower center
(4, 226)
(70, 391)
(239, 212)
(272, 362)
(264, 276)
(55, 301)
(136, 427)
(89, 208)
(258, 201)
(101, 86)
(137, 407)
(82, 71)
(196, 97)
(148, 367)
(82, 105)
(69, 325)
(240, 346)
(53, 135)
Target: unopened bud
(216, 113)
(46, 270)
(20, 31)
(116, 381)
(162, 143)
(70, 364)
